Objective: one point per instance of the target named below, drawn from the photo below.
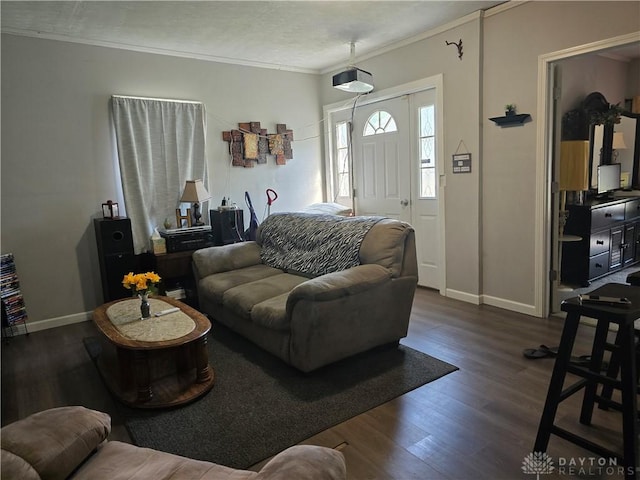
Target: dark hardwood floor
(479, 422)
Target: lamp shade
(618, 141)
(194, 192)
(574, 165)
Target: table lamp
(618, 144)
(194, 192)
(574, 177)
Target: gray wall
(58, 152)
(462, 89)
(513, 41)
(490, 237)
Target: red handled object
(270, 192)
(272, 196)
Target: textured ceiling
(307, 36)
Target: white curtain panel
(161, 144)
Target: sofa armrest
(55, 442)
(210, 260)
(305, 462)
(340, 284)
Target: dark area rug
(259, 405)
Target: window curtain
(160, 144)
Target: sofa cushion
(122, 461)
(242, 298)
(217, 284)
(208, 261)
(305, 462)
(272, 313)
(341, 284)
(54, 442)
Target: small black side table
(591, 377)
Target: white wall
(58, 155)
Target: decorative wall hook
(459, 47)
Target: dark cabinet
(609, 233)
(176, 271)
(227, 226)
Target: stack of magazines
(14, 311)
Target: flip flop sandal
(551, 351)
(534, 353)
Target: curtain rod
(158, 99)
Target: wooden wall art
(250, 144)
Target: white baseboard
(493, 301)
(510, 305)
(54, 322)
(462, 296)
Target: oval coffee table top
(120, 322)
(126, 317)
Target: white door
(381, 154)
(395, 168)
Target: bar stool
(592, 377)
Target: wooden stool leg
(629, 381)
(557, 381)
(612, 371)
(597, 352)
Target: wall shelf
(507, 120)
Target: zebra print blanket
(313, 245)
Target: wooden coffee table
(155, 362)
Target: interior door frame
(544, 163)
(433, 82)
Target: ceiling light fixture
(353, 79)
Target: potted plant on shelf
(510, 109)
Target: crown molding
(156, 51)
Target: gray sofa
(71, 443)
(313, 289)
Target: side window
(379, 122)
(342, 160)
(427, 149)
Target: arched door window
(379, 122)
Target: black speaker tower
(116, 255)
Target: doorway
(550, 80)
(391, 164)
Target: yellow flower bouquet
(141, 283)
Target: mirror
(624, 139)
(629, 157)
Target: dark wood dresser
(609, 232)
